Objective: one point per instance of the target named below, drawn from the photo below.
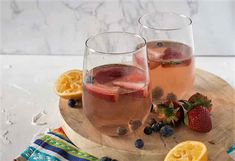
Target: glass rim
(166, 29)
(115, 53)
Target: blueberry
(89, 79)
(135, 124)
(166, 131)
(105, 159)
(148, 130)
(121, 131)
(152, 121)
(159, 44)
(157, 126)
(139, 143)
(157, 93)
(72, 103)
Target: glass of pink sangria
(170, 49)
(116, 91)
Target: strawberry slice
(169, 53)
(138, 59)
(154, 64)
(173, 58)
(135, 75)
(129, 85)
(103, 92)
(134, 89)
(107, 74)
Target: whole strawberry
(170, 112)
(200, 99)
(198, 119)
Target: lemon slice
(188, 151)
(69, 84)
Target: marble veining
(62, 26)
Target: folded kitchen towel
(54, 145)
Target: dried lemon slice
(69, 84)
(188, 151)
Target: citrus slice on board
(188, 151)
(69, 84)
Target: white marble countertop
(27, 88)
(62, 26)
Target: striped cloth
(54, 145)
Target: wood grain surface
(86, 137)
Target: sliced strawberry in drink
(154, 57)
(173, 58)
(187, 61)
(103, 92)
(129, 85)
(154, 64)
(138, 59)
(170, 53)
(135, 75)
(107, 74)
(132, 88)
(141, 93)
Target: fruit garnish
(129, 85)
(170, 53)
(166, 131)
(89, 79)
(148, 130)
(71, 103)
(172, 58)
(135, 124)
(107, 74)
(154, 64)
(138, 59)
(160, 44)
(199, 99)
(135, 76)
(103, 92)
(170, 112)
(152, 121)
(69, 84)
(157, 93)
(131, 88)
(198, 119)
(139, 143)
(188, 151)
(157, 126)
(171, 97)
(121, 130)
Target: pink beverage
(116, 98)
(171, 69)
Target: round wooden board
(86, 137)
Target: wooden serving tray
(85, 136)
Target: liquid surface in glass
(116, 98)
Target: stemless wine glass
(170, 49)
(116, 93)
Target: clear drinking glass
(170, 50)
(116, 90)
